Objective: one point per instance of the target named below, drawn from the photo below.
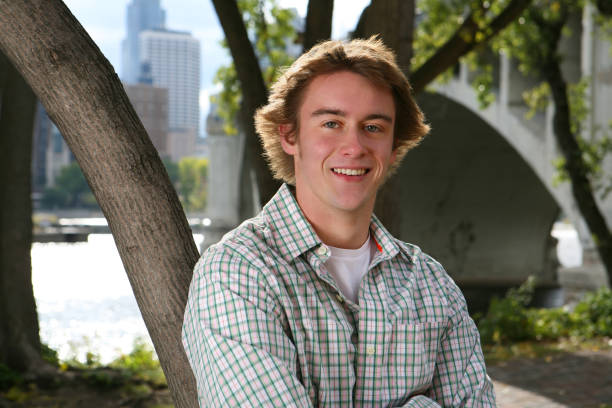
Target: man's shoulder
(429, 277)
(244, 244)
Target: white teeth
(350, 172)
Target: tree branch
(463, 42)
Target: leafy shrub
(8, 378)
(549, 324)
(593, 315)
(141, 363)
(507, 318)
(510, 320)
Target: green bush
(549, 324)
(8, 378)
(507, 319)
(510, 320)
(593, 315)
(141, 363)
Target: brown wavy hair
(370, 58)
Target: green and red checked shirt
(266, 326)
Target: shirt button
(340, 298)
(322, 250)
(370, 350)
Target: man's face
(344, 145)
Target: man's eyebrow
(338, 112)
(381, 116)
(328, 111)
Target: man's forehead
(340, 92)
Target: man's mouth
(350, 172)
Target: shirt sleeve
(460, 378)
(237, 348)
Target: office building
(173, 59)
(141, 15)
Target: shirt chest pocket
(412, 356)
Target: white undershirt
(349, 266)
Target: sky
(105, 23)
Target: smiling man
(313, 303)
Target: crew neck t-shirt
(349, 266)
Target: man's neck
(348, 234)
(339, 229)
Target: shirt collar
(293, 235)
(385, 243)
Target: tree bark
(86, 100)
(20, 346)
(254, 95)
(318, 22)
(463, 42)
(393, 20)
(568, 143)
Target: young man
(313, 303)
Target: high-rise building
(173, 60)
(141, 15)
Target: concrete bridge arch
(470, 199)
(479, 193)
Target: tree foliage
(192, 175)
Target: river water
(85, 302)
(84, 299)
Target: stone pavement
(574, 380)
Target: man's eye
(331, 124)
(372, 128)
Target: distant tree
(534, 43)
(580, 170)
(70, 191)
(192, 183)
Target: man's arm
(460, 378)
(237, 349)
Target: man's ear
(287, 138)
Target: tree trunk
(393, 20)
(574, 163)
(318, 22)
(86, 100)
(254, 95)
(19, 338)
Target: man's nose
(353, 142)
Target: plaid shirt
(266, 326)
